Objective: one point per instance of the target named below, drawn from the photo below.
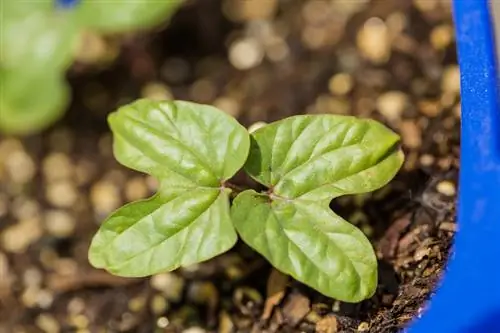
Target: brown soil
(56, 187)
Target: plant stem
(237, 189)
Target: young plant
(305, 162)
(37, 43)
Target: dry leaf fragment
(276, 285)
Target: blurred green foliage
(38, 40)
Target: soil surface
(258, 60)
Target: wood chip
(448, 226)
(296, 307)
(389, 243)
(327, 325)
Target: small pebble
(24, 208)
(441, 36)
(447, 188)
(136, 189)
(170, 284)
(226, 324)
(29, 297)
(20, 167)
(392, 104)
(427, 160)
(16, 238)
(246, 53)
(430, 108)
(194, 329)
(57, 166)
(32, 277)
(340, 84)
(47, 323)
(411, 134)
(162, 322)
(105, 197)
(76, 306)
(61, 194)
(136, 304)
(80, 321)
(450, 80)
(59, 223)
(228, 105)
(373, 41)
(45, 299)
(363, 327)
(156, 91)
(158, 304)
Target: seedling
(37, 43)
(304, 161)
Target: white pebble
(246, 53)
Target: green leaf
(185, 143)
(164, 233)
(50, 46)
(16, 8)
(124, 15)
(306, 161)
(29, 102)
(37, 43)
(309, 242)
(192, 149)
(322, 157)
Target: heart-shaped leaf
(192, 149)
(306, 161)
(124, 15)
(309, 242)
